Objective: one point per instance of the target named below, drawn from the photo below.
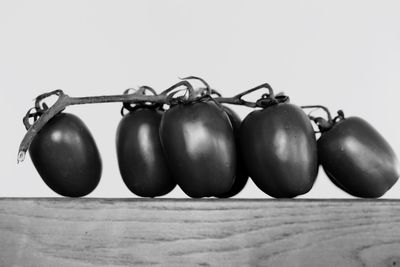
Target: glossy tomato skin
(279, 150)
(358, 159)
(141, 160)
(199, 144)
(66, 156)
(241, 175)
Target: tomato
(279, 150)
(241, 176)
(141, 160)
(66, 156)
(357, 158)
(199, 144)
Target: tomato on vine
(141, 159)
(279, 147)
(355, 156)
(66, 156)
(241, 176)
(199, 144)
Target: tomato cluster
(201, 145)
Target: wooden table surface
(183, 232)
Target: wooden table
(183, 232)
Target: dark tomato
(66, 156)
(357, 158)
(199, 144)
(241, 176)
(279, 150)
(141, 160)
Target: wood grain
(167, 232)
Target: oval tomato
(357, 158)
(279, 150)
(141, 160)
(241, 176)
(66, 156)
(199, 144)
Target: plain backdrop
(342, 54)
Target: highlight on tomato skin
(357, 158)
(141, 159)
(66, 156)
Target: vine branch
(44, 113)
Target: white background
(342, 54)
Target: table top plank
(207, 232)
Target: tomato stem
(207, 90)
(266, 100)
(328, 113)
(207, 86)
(188, 86)
(235, 101)
(141, 91)
(148, 88)
(261, 86)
